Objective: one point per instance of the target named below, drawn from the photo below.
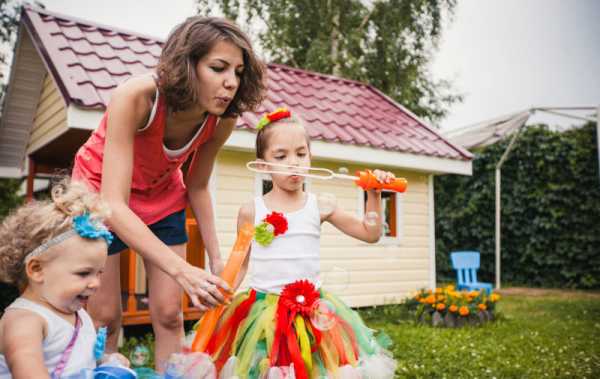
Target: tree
(9, 20)
(386, 43)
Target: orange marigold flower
(463, 311)
(440, 306)
(482, 307)
(453, 308)
(494, 297)
(430, 299)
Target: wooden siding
(21, 101)
(50, 118)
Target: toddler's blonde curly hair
(37, 222)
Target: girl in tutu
(285, 325)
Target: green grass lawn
(539, 334)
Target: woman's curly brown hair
(187, 44)
(37, 222)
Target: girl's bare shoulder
(17, 322)
(140, 90)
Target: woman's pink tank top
(157, 187)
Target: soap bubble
(281, 372)
(139, 356)
(322, 315)
(190, 366)
(371, 218)
(327, 203)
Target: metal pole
(498, 192)
(598, 135)
(498, 228)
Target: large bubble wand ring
(364, 179)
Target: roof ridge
(464, 152)
(318, 74)
(85, 22)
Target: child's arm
(245, 216)
(199, 194)
(22, 340)
(368, 228)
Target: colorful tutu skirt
(302, 333)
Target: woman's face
(219, 73)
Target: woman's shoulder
(141, 90)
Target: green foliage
(8, 196)
(9, 19)
(550, 210)
(386, 43)
(541, 337)
(8, 201)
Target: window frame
(385, 240)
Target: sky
(510, 55)
(503, 55)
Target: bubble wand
(238, 254)
(364, 179)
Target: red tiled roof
(88, 61)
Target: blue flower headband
(84, 226)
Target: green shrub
(550, 210)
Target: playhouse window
(390, 206)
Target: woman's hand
(204, 289)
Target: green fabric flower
(264, 121)
(264, 234)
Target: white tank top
(291, 256)
(59, 333)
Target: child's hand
(216, 266)
(384, 176)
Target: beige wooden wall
(362, 274)
(50, 116)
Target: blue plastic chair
(466, 264)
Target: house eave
(243, 140)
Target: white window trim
(385, 240)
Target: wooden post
(131, 300)
(30, 179)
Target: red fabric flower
(278, 114)
(278, 221)
(299, 297)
